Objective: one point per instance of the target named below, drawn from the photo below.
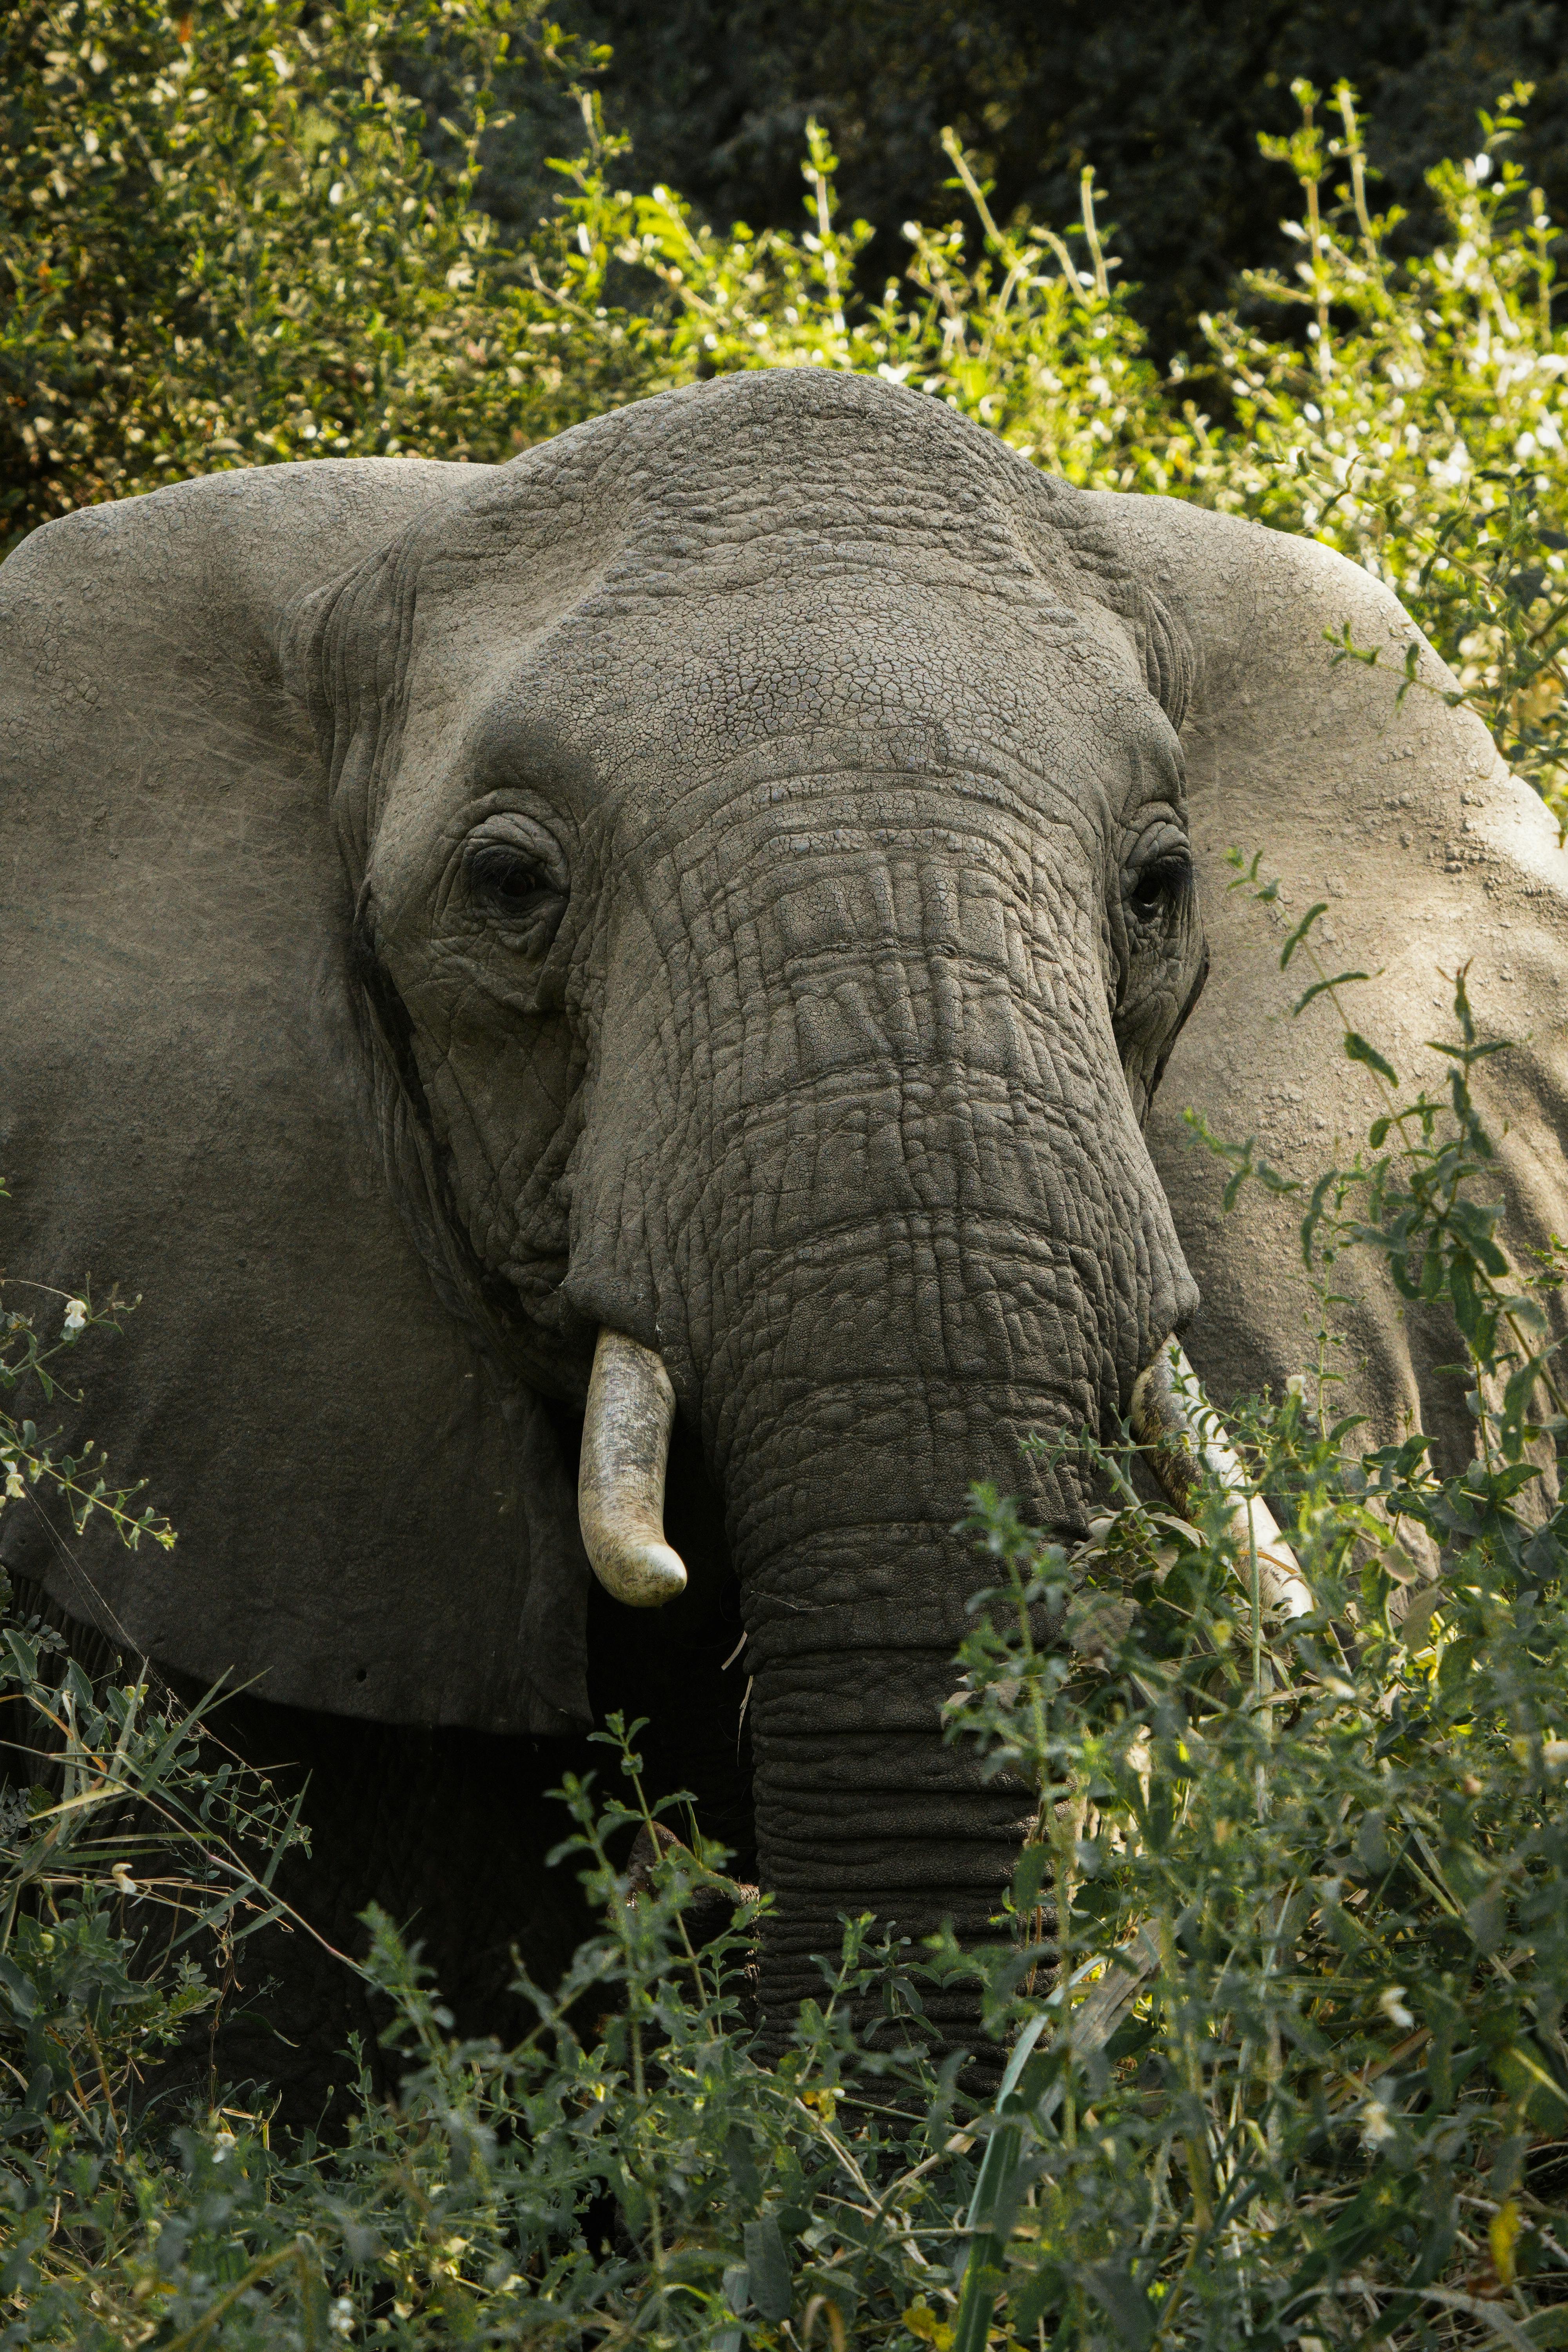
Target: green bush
(230, 239)
(31, 1362)
(226, 244)
(1165, 101)
(1418, 425)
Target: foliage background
(1165, 102)
(260, 231)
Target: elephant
(695, 939)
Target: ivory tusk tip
(642, 1575)
(621, 1475)
(1183, 1436)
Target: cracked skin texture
(736, 873)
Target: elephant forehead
(807, 676)
(746, 468)
(822, 650)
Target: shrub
(1312, 1874)
(230, 240)
(29, 1361)
(1420, 430)
(226, 243)
(1418, 425)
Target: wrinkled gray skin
(726, 876)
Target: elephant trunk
(924, 1228)
(860, 1808)
(855, 1589)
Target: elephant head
(715, 895)
(768, 854)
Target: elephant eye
(507, 878)
(1161, 883)
(505, 881)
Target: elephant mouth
(626, 1454)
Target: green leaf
(767, 2268)
(1033, 1864)
(1125, 2302)
(1300, 932)
(1417, 1618)
(1028, 2304)
(1339, 980)
(23, 1992)
(1359, 1050)
(741, 2160)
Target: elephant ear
(374, 1518)
(1399, 814)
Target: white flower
(1376, 2129)
(76, 1314)
(1555, 1754)
(14, 1486)
(341, 2316)
(120, 1874)
(1390, 2000)
(223, 2146)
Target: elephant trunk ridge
(621, 1473)
(1183, 1436)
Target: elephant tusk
(1183, 1436)
(620, 1477)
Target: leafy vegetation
(231, 237)
(1280, 1988)
(226, 244)
(30, 1363)
(1417, 425)
(1165, 101)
